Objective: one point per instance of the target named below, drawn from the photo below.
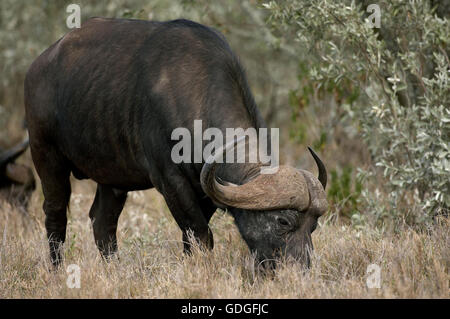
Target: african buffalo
(102, 102)
(16, 180)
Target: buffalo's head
(275, 213)
(16, 180)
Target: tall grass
(151, 264)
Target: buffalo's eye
(283, 222)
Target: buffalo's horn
(285, 189)
(20, 174)
(321, 167)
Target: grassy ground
(151, 264)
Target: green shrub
(344, 191)
(401, 99)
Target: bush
(401, 108)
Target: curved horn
(319, 203)
(20, 174)
(11, 154)
(285, 189)
(321, 167)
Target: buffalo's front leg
(104, 213)
(187, 211)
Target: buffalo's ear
(19, 174)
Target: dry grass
(151, 264)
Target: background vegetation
(374, 102)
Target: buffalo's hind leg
(54, 172)
(104, 213)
